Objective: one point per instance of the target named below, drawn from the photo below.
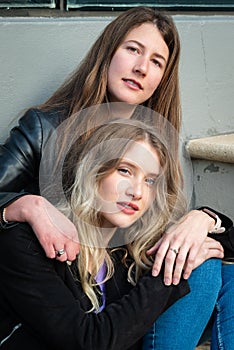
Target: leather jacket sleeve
(20, 157)
(39, 298)
(21, 154)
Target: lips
(128, 205)
(133, 83)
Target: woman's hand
(180, 246)
(54, 230)
(210, 248)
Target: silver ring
(174, 250)
(60, 252)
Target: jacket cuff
(226, 221)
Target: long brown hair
(87, 86)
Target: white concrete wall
(214, 186)
(36, 54)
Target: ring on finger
(60, 252)
(174, 250)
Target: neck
(122, 110)
(107, 234)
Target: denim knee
(223, 329)
(181, 326)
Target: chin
(126, 224)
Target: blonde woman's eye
(151, 181)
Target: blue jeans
(223, 329)
(181, 326)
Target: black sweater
(46, 298)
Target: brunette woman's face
(138, 65)
(128, 191)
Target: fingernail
(155, 272)
(175, 281)
(186, 276)
(167, 281)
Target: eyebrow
(143, 46)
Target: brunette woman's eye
(157, 63)
(133, 49)
(123, 171)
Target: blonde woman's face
(130, 189)
(138, 65)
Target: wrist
(20, 210)
(216, 226)
(210, 221)
(27, 207)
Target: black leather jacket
(20, 160)
(21, 154)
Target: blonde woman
(107, 298)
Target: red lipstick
(128, 207)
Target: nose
(134, 190)
(141, 66)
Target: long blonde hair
(94, 162)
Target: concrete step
(216, 148)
